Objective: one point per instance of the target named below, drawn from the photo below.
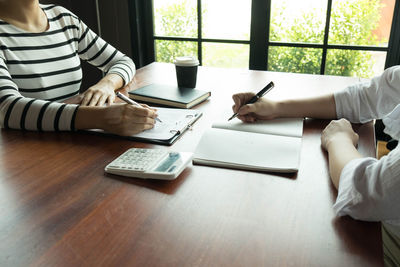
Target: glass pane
(226, 19)
(226, 55)
(361, 22)
(363, 64)
(294, 59)
(175, 18)
(166, 51)
(298, 21)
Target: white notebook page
(253, 151)
(286, 126)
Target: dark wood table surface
(59, 208)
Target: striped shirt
(37, 70)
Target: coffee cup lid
(186, 61)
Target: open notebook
(261, 146)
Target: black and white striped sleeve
(18, 112)
(102, 55)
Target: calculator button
(138, 159)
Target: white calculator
(150, 163)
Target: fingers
(87, 96)
(240, 99)
(140, 111)
(338, 125)
(146, 106)
(143, 120)
(247, 118)
(96, 97)
(139, 119)
(241, 108)
(127, 119)
(148, 126)
(339, 132)
(246, 109)
(128, 129)
(110, 99)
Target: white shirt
(39, 69)
(369, 189)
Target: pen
(130, 101)
(254, 99)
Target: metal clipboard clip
(175, 131)
(189, 126)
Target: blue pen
(254, 99)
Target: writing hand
(126, 119)
(263, 109)
(120, 119)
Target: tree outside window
(352, 22)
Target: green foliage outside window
(355, 30)
(176, 20)
(352, 23)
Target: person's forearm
(322, 107)
(89, 117)
(340, 153)
(113, 80)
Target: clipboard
(175, 122)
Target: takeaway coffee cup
(186, 71)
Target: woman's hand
(98, 94)
(102, 92)
(126, 119)
(338, 133)
(263, 109)
(120, 119)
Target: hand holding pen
(238, 98)
(130, 101)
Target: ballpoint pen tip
(233, 116)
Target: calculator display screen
(170, 163)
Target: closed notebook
(169, 95)
(270, 146)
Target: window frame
(259, 37)
(199, 39)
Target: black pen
(130, 101)
(254, 99)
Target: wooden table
(59, 208)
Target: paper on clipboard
(173, 121)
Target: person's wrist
(113, 81)
(89, 117)
(278, 109)
(109, 84)
(339, 140)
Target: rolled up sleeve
(366, 101)
(369, 188)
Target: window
(206, 29)
(336, 37)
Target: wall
(385, 24)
